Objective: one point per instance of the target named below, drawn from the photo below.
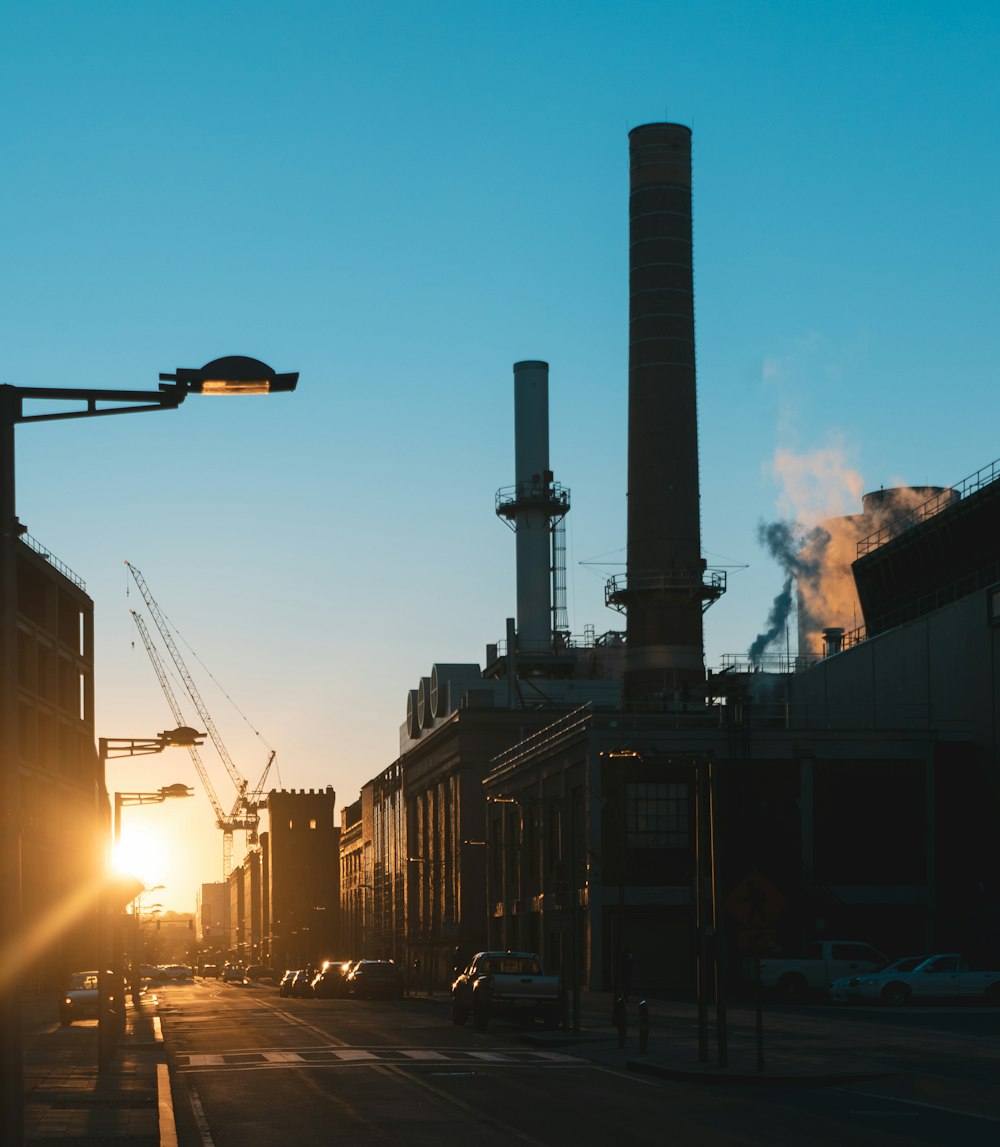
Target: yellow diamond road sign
(755, 902)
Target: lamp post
(414, 961)
(111, 748)
(709, 942)
(235, 374)
(567, 804)
(485, 885)
(139, 938)
(123, 800)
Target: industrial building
(611, 805)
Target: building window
(657, 816)
(291, 824)
(312, 823)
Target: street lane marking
(205, 1060)
(199, 1117)
(353, 1053)
(282, 1057)
(490, 1056)
(986, 1116)
(423, 1053)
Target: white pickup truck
(511, 984)
(823, 962)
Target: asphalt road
(250, 1069)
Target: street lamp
(125, 800)
(710, 940)
(111, 748)
(485, 885)
(235, 374)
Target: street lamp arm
(112, 747)
(141, 400)
(128, 799)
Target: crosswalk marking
(319, 1057)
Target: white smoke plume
(814, 543)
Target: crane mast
(245, 811)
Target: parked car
(79, 1001)
(370, 979)
(945, 976)
(210, 971)
(331, 980)
(232, 974)
(260, 972)
(845, 989)
(176, 972)
(301, 985)
(284, 987)
(511, 984)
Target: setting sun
(142, 853)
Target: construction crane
(245, 815)
(229, 823)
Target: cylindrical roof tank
(413, 713)
(448, 682)
(424, 717)
(886, 503)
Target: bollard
(620, 1020)
(643, 1026)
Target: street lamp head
(234, 374)
(176, 791)
(183, 737)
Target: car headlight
(67, 1001)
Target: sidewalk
(66, 1100)
(672, 1047)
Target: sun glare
(142, 854)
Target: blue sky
(399, 201)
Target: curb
(727, 1078)
(566, 1039)
(165, 1107)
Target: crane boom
(189, 685)
(238, 818)
(245, 815)
(177, 712)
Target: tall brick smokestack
(663, 595)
